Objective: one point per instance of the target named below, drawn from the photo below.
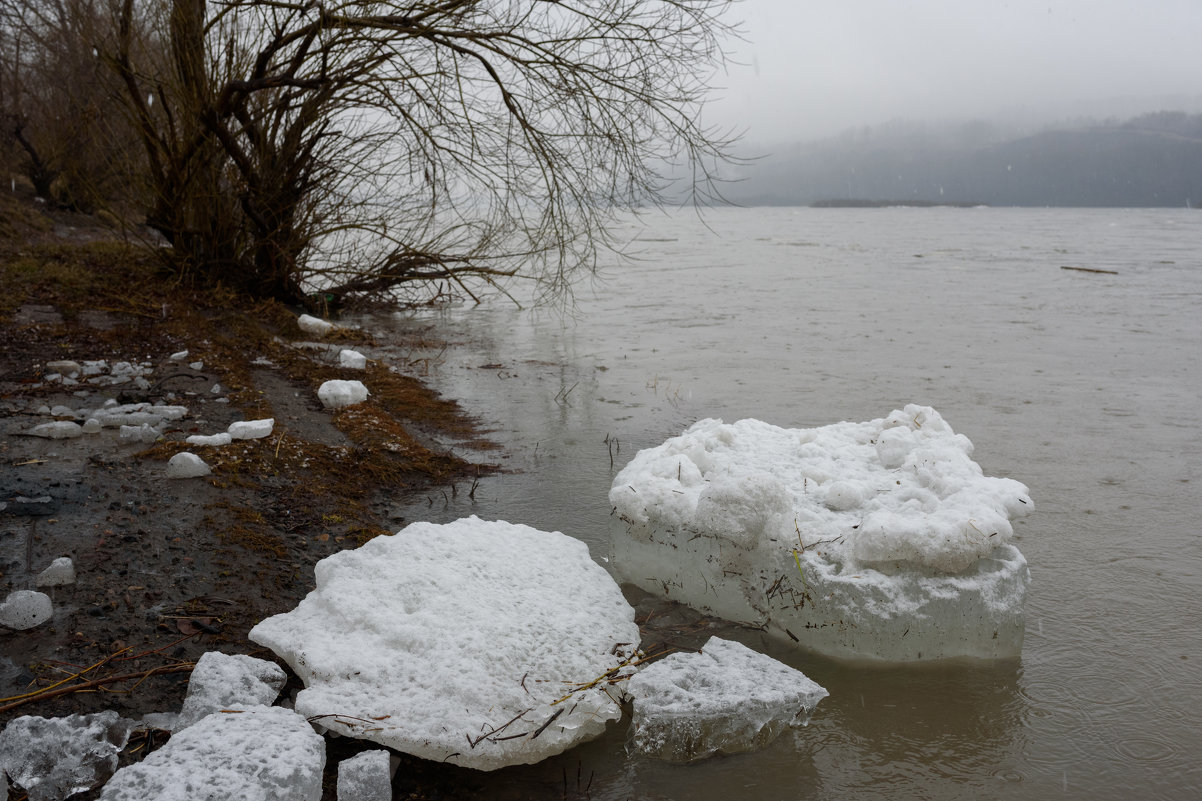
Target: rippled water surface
(1085, 386)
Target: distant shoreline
(880, 204)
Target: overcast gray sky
(816, 67)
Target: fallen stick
(1089, 270)
(94, 683)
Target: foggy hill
(1151, 160)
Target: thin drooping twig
(52, 692)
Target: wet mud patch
(168, 569)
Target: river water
(1085, 386)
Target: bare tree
(362, 148)
(61, 121)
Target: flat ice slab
(482, 644)
(258, 752)
(727, 699)
(879, 540)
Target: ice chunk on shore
(365, 777)
(337, 393)
(222, 680)
(61, 571)
(314, 325)
(352, 359)
(143, 434)
(880, 539)
(456, 642)
(52, 758)
(251, 429)
(727, 699)
(187, 465)
(59, 429)
(212, 440)
(25, 609)
(257, 752)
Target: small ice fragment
(251, 429)
(314, 325)
(198, 366)
(220, 681)
(59, 429)
(95, 368)
(216, 389)
(91, 426)
(337, 393)
(114, 418)
(43, 410)
(61, 571)
(365, 777)
(141, 383)
(62, 411)
(138, 434)
(352, 359)
(164, 721)
(53, 758)
(64, 366)
(24, 609)
(169, 412)
(178, 356)
(256, 752)
(727, 699)
(187, 465)
(211, 440)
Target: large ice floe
(879, 540)
(727, 699)
(482, 644)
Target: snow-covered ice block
(365, 777)
(314, 325)
(879, 540)
(220, 681)
(457, 643)
(52, 758)
(59, 429)
(25, 609)
(727, 699)
(91, 426)
(259, 752)
(337, 393)
(213, 440)
(61, 571)
(187, 465)
(352, 359)
(62, 411)
(251, 429)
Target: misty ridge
(1154, 159)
